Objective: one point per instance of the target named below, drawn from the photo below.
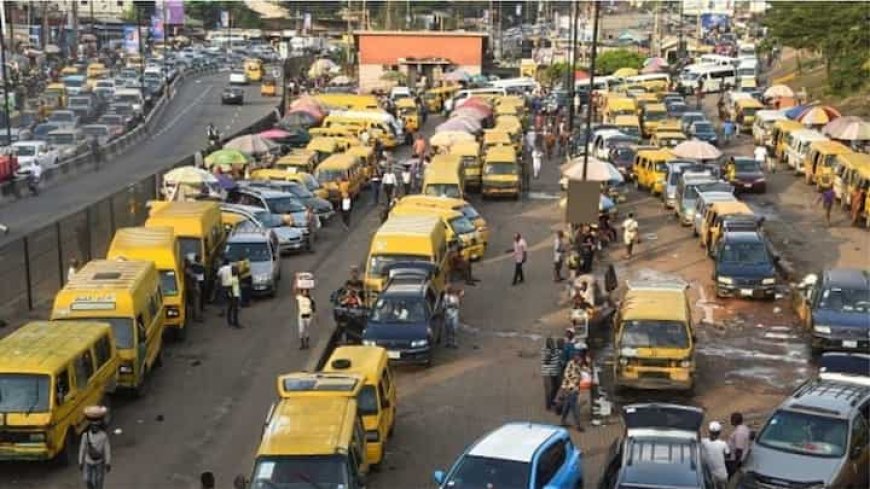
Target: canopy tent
(818, 115)
(251, 144)
(776, 91)
(596, 170)
(848, 128)
(227, 158)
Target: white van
(796, 146)
(461, 95)
(516, 86)
(393, 123)
(131, 96)
(712, 76)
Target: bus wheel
(67, 455)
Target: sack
(93, 453)
(525, 256)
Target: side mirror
(240, 482)
(438, 476)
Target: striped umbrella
(818, 115)
(848, 128)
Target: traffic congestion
(390, 286)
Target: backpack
(93, 453)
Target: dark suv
(834, 305)
(660, 448)
(744, 266)
(407, 319)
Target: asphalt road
(180, 132)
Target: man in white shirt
(716, 451)
(629, 232)
(760, 154)
(389, 183)
(225, 281)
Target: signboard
(131, 39)
(174, 12)
(583, 200)
(157, 31)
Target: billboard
(131, 39)
(174, 12)
(156, 29)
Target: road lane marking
(184, 111)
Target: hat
(715, 426)
(95, 413)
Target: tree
(210, 14)
(554, 73)
(610, 61)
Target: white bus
(712, 77)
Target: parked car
(233, 95)
(322, 207)
(745, 174)
(660, 447)
(817, 438)
(834, 306)
(703, 130)
(259, 251)
(744, 266)
(40, 132)
(116, 123)
(65, 119)
(688, 118)
(101, 132)
(283, 204)
(287, 238)
(517, 455)
(130, 115)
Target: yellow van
(378, 399)
(651, 169)
(158, 245)
(514, 127)
(338, 168)
(444, 177)
(366, 154)
(324, 147)
(628, 124)
(335, 131)
(711, 225)
(460, 229)
(667, 139)
(496, 137)
(850, 170)
(433, 99)
(654, 338)
(778, 136)
(96, 71)
(455, 204)
(348, 101)
(49, 372)
(653, 115)
(406, 109)
(299, 159)
(819, 162)
(68, 70)
(198, 229)
(501, 173)
(618, 106)
(744, 110)
(375, 125)
(469, 156)
(125, 294)
(253, 70)
(406, 239)
(316, 441)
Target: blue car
(835, 308)
(744, 266)
(517, 456)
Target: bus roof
(109, 274)
(654, 303)
(44, 347)
(145, 243)
(310, 426)
(408, 226)
(732, 207)
(828, 146)
(339, 161)
(365, 360)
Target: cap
(715, 426)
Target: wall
(387, 49)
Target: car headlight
(769, 281)
(419, 343)
(822, 329)
(125, 368)
(172, 312)
(725, 280)
(369, 343)
(685, 363)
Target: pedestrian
(531, 139)
(235, 298)
(827, 200)
(419, 146)
(406, 180)
(857, 202)
(587, 249)
(760, 154)
(305, 309)
(569, 391)
(629, 233)
(715, 453)
(699, 94)
(389, 183)
(191, 294)
(569, 345)
(225, 285)
(551, 370)
(520, 254)
(452, 300)
(537, 157)
(346, 204)
(376, 185)
(95, 451)
(549, 141)
(558, 255)
(73, 269)
(727, 130)
(198, 273)
(738, 444)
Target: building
(422, 56)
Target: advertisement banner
(131, 39)
(156, 28)
(225, 18)
(175, 12)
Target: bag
(525, 257)
(93, 454)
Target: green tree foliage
(610, 61)
(837, 30)
(554, 73)
(210, 14)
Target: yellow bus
(342, 167)
(49, 372)
(125, 294)
(455, 204)
(501, 173)
(459, 228)
(158, 245)
(444, 177)
(253, 70)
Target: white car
(238, 78)
(34, 153)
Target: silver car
(257, 248)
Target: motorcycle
(33, 184)
(349, 315)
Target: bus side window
(61, 387)
(102, 351)
(84, 369)
(382, 393)
(141, 334)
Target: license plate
(747, 185)
(746, 292)
(850, 344)
(393, 355)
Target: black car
(233, 95)
(744, 266)
(745, 175)
(407, 319)
(834, 305)
(660, 447)
(131, 115)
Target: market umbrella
(321, 67)
(646, 70)
(469, 123)
(227, 157)
(460, 125)
(340, 80)
(448, 138)
(848, 128)
(655, 61)
(776, 91)
(474, 112)
(794, 112)
(251, 144)
(696, 150)
(624, 72)
(189, 175)
(295, 119)
(312, 111)
(596, 171)
(818, 115)
(273, 134)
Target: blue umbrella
(795, 112)
(605, 203)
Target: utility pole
(74, 45)
(572, 36)
(655, 42)
(590, 106)
(388, 23)
(43, 31)
(141, 51)
(681, 49)
(6, 112)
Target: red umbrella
(275, 134)
(476, 102)
(818, 115)
(581, 75)
(317, 116)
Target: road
(180, 132)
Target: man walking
(558, 255)
(728, 128)
(419, 147)
(715, 452)
(389, 183)
(738, 443)
(346, 204)
(520, 254)
(376, 185)
(827, 198)
(452, 299)
(629, 233)
(537, 158)
(760, 154)
(225, 284)
(95, 455)
(305, 310)
(551, 370)
(235, 297)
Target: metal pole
(141, 51)
(680, 50)
(572, 34)
(27, 278)
(590, 107)
(6, 112)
